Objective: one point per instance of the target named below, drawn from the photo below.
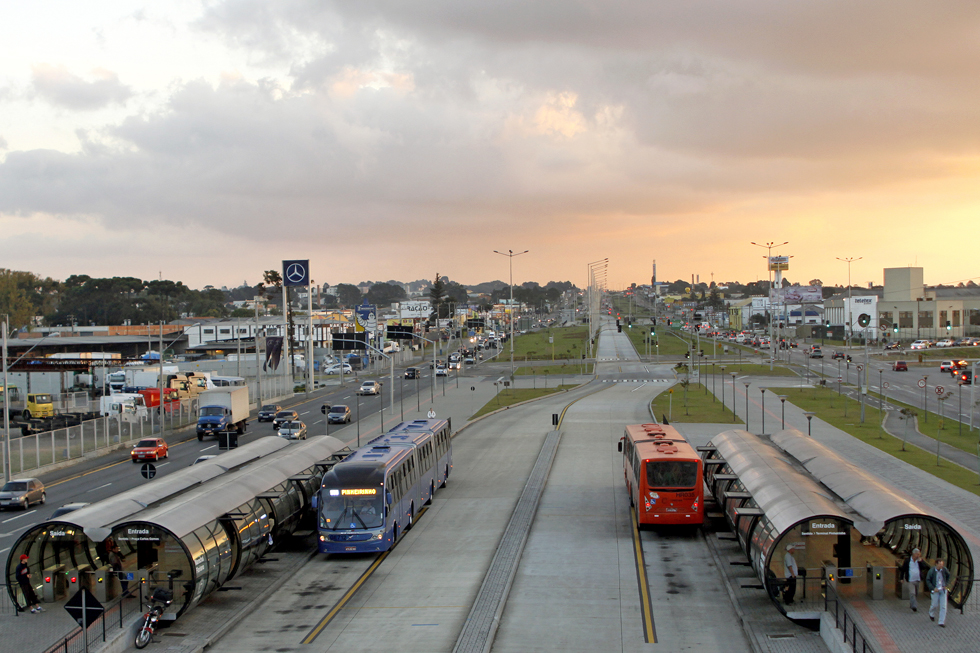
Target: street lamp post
(782, 399)
(809, 416)
(763, 391)
(747, 384)
(769, 312)
(733, 395)
(722, 368)
(510, 255)
(850, 325)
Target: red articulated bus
(664, 476)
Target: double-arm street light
(850, 325)
(510, 255)
(595, 269)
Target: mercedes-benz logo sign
(295, 273)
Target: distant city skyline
(205, 141)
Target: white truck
(221, 410)
(122, 404)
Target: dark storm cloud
(61, 88)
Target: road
(108, 475)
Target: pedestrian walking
(937, 582)
(23, 574)
(913, 571)
(115, 561)
(791, 571)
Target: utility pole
(510, 255)
(6, 409)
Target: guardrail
(845, 621)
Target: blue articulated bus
(370, 498)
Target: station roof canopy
(785, 494)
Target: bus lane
(418, 597)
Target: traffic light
(949, 327)
(828, 322)
(653, 330)
(654, 321)
(687, 354)
(697, 327)
(619, 328)
(895, 328)
(670, 322)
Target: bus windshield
(672, 474)
(351, 509)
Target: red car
(900, 366)
(149, 449)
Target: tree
(272, 278)
(383, 294)
(714, 299)
(14, 302)
(437, 297)
(348, 295)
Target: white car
(920, 344)
(335, 369)
(945, 342)
(369, 388)
(442, 371)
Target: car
(67, 508)
(816, 352)
(335, 369)
(455, 364)
(369, 388)
(442, 371)
(964, 377)
(919, 344)
(893, 345)
(338, 414)
(412, 373)
(837, 354)
(469, 361)
(202, 459)
(945, 342)
(22, 493)
(282, 417)
(900, 366)
(294, 430)
(150, 449)
(952, 366)
(268, 412)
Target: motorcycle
(160, 599)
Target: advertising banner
(415, 310)
(797, 295)
(365, 319)
(273, 353)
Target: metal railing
(6, 605)
(972, 603)
(38, 450)
(113, 618)
(845, 621)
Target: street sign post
(84, 608)
(148, 470)
(922, 383)
(940, 389)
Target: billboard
(273, 353)
(778, 263)
(797, 295)
(417, 310)
(365, 318)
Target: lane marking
(161, 464)
(23, 514)
(305, 413)
(646, 608)
(5, 550)
(98, 488)
(211, 447)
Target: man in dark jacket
(23, 575)
(937, 583)
(913, 572)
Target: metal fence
(972, 603)
(29, 452)
(6, 605)
(845, 621)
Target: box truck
(221, 410)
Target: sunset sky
(383, 139)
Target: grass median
(844, 413)
(569, 343)
(692, 406)
(511, 396)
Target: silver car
(369, 388)
(22, 493)
(293, 431)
